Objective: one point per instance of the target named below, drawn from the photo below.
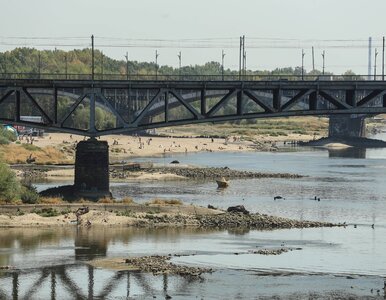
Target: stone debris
(157, 264)
(271, 251)
(227, 220)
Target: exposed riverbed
(330, 262)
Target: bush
(3, 140)
(9, 185)
(7, 136)
(29, 195)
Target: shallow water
(328, 260)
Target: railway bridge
(142, 103)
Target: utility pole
(369, 63)
(222, 64)
(92, 57)
(39, 64)
(156, 64)
(313, 59)
(303, 64)
(375, 63)
(323, 55)
(244, 58)
(240, 55)
(383, 58)
(179, 59)
(127, 65)
(102, 64)
(65, 64)
(5, 63)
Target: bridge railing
(183, 77)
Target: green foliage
(25, 60)
(9, 185)
(3, 140)
(46, 212)
(6, 136)
(29, 195)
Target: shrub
(9, 185)
(29, 195)
(47, 212)
(3, 140)
(7, 135)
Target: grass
(18, 154)
(46, 212)
(51, 200)
(259, 127)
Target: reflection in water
(81, 282)
(350, 152)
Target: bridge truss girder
(202, 102)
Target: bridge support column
(347, 126)
(92, 169)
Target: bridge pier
(343, 126)
(92, 169)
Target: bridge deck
(143, 104)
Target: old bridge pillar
(92, 169)
(347, 126)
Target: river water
(327, 262)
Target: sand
(125, 146)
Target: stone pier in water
(92, 169)
(344, 126)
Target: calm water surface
(351, 186)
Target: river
(325, 262)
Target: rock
(238, 209)
(175, 162)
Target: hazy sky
(275, 30)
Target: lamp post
(156, 64)
(222, 64)
(127, 65)
(303, 64)
(323, 55)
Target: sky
(275, 31)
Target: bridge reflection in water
(77, 279)
(86, 282)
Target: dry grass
(305, 125)
(18, 154)
(126, 200)
(165, 202)
(106, 200)
(50, 200)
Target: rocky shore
(228, 221)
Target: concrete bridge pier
(344, 126)
(92, 169)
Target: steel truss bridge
(134, 105)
